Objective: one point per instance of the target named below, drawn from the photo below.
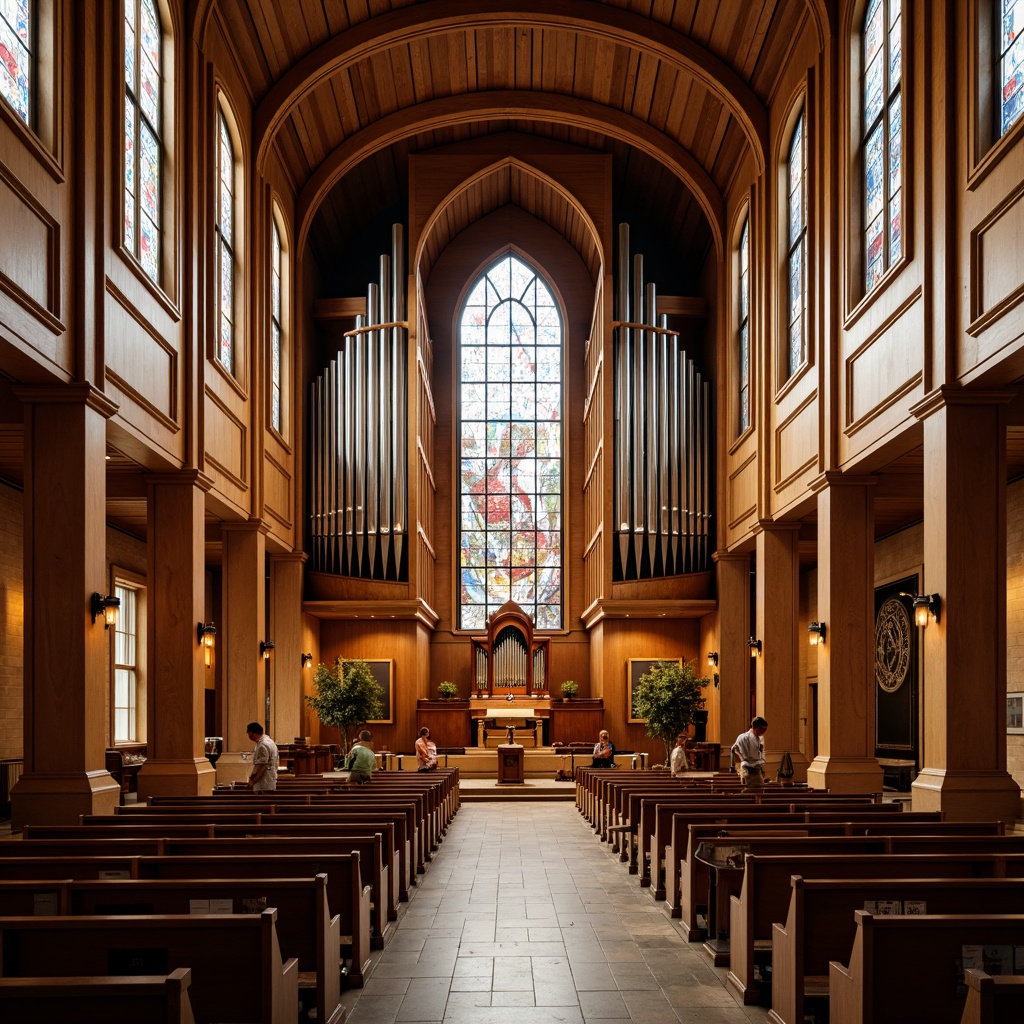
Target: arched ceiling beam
(506, 164)
(436, 17)
(502, 105)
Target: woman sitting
(604, 751)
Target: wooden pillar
(65, 675)
(778, 600)
(244, 615)
(286, 629)
(175, 551)
(964, 750)
(734, 629)
(845, 762)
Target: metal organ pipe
(662, 435)
(359, 438)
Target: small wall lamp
(107, 607)
(307, 661)
(755, 647)
(205, 632)
(923, 604)
(816, 631)
(266, 646)
(712, 659)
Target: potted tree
(667, 696)
(569, 689)
(347, 697)
(447, 690)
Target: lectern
(510, 762)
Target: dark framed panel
(896, 670)
(635, 668)
(384, 673)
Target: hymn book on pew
(993, 960)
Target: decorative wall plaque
(892, 644)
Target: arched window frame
(279, 347)
(744, 411)
(470, 517)
(880, 77)
(796, 236)
(227, 234)
(148, 123)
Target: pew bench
(903, 968)
(819, 926)
(238, 974)
(108, 1000)
(998, 1000)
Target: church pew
(998, 1000)
(668, 846)
(413, 805)
(819, 927)
(393, 826)
(901, 968)
(373, 868)
(109, 1000)
(694, 873)
(306, 929)
(238, 973)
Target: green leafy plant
(347, 697)
(447, 690)
(667, 696)
(570, 688)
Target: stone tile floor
(525, 917)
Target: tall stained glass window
(796, 237)
(16, 55)
(125, 665)
(143, 150)
(882, 46)
(510, 447)
(275, 329)
(224, 230)
(1011, 63)
(743, 335)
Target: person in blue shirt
(604, 751)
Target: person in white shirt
(750, 750)
(265, 759)
(680, 763)
(426, 751)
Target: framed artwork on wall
(635, 668)
(1015, 712)
(383, 672)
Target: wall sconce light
(266, 646)
(205, 632)
(107, 607)
(307, 661)
(712, 659)
(755, 647)
(923, 604)
(816, 631)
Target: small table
(511, 762)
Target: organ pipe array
(662, 438)
(359, 438)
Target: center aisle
(525, 917)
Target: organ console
(510, 659)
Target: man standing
(750, 750)
(679, 763)
(265, 759)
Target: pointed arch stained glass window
(143, 148)
(510, 447)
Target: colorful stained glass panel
(510, 406)
(1011, 64)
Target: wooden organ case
(510, 660)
